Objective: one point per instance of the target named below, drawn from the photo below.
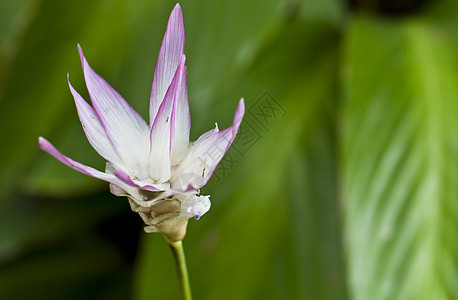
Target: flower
(155, 166)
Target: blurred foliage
(399, 159)
(349, 191)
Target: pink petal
(181, 122)
(125, 128)
(170, 54)
(207, 151)
(45, 145)
(94, 130)
(160, 154)
(124, 177)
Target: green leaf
(399, 150)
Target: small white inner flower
(195, 206)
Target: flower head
(154, 165)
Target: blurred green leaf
(399, 150)
(15, 17)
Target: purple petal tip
(176, 16)
(240, 111)
(43, 143)
(80, 51)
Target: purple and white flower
(155, 166)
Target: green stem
(180, 260)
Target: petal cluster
(153, 164)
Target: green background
(351, 192)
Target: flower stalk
(180, 261)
